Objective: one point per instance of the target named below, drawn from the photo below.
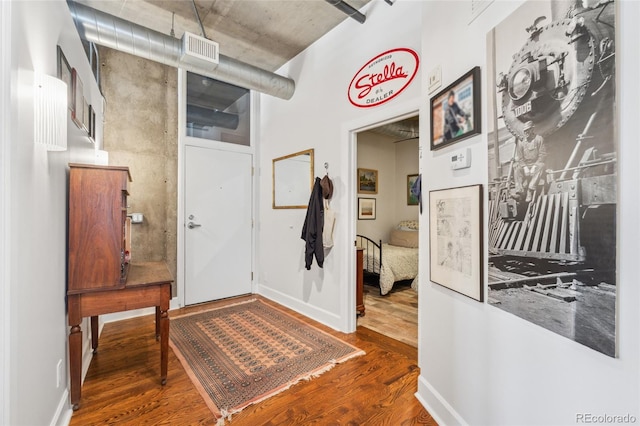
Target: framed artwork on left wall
(77, 111)
(64, 74)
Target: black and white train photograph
(552, 155)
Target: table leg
(164, 346)
(162, 312)
(94, 334)
(75, 365)
(157, 323)
(75, 350)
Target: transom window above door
(217, 111)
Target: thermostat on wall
(461, 159)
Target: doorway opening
(387, 227)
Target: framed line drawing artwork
(367, 181)
(455, 240)
(455, 111)
(412, 200)
(366, 208)
(77, 112)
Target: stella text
(369, 81)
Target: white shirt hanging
(329, 225)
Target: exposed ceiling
(263, 33)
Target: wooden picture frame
(367, 181)
(456, 240)
(85, 116)
(77, 110)
(64, 74)
(293, 180)
(455, 111)
(92, 124)
(412, 200)
(366, 208)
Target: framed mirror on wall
(293, 180)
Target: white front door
(217, 224)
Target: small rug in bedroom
(241, 354)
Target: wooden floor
(395, 314)
(123, 385)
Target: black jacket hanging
(312, 229)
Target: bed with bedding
(394, 261)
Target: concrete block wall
(141, 132)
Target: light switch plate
(435, 78)
(137, 217)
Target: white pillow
(408, 225)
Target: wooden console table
(148, 284)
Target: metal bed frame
(369, 245)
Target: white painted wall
(394, 161)
(5, 134)
(377, 152)
(316, 117)
(37, 187)
(483, 366)
(406, 164)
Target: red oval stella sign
(383, 77)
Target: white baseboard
(62, 417)
(119, 316)
(441, 411)
(327, 318)
(87, 354)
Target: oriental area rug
(241, 354)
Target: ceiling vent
(199, 51)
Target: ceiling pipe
(110, 31)
(195, 9)
(348, 9)
(400, 129)
(208, 117)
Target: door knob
(192, 225)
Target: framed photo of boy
(455, 111)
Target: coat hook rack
(326, 168)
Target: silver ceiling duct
(402, 130)
(348, 9)
(116, 33)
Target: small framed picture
(367, 181)
(455, 239)
(455, 111)
(85, 116)
(92, 124)
(77, 111)
(366, 208)
(412, 200)
(64, 74)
